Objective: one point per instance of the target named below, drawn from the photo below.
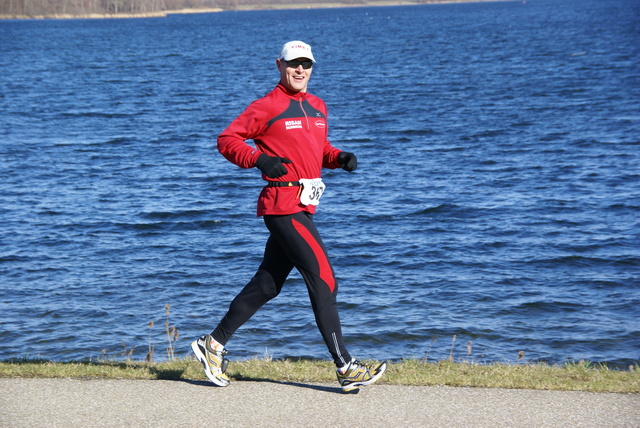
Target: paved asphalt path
(162, 403)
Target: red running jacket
(288, 124)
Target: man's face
(294, 75)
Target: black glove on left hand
(272, 166)
(348, 161)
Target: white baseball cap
(296, 49)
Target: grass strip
(569, 377)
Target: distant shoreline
(159, 14)
(165, 13)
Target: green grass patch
(569, 377)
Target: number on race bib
(312, 190)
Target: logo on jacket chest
(293, 124)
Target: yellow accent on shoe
(358, 374)
(214, 362)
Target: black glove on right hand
(348, 161)
(272, 166)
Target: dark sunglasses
(294, 63)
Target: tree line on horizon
(124, 7)
(101, 7)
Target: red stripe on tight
(325, 269)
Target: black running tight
(294, 242)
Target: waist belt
(283, 184)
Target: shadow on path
(315, 387)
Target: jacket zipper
(306, 117)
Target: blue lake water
(497, 197)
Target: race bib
(312, 190)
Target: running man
(289, 129)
